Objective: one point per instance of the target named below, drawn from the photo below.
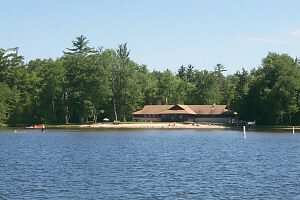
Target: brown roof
(153, 109)
(186, 109)
(208, 109)
(183, 112)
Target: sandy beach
(155, 126)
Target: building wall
(146, 119)
(181, 118)
(163, 118)
(213, 119)
(176, 118)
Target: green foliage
(241, 82)
(80, 46)
(272, 95)
(5, 97)
(206, 89)
(88, 85)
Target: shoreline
(153, 126)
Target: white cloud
(263, 40)
(295, 33)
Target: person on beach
(43, 128)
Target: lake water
(149, 164)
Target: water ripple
(150, 164)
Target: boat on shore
(35, 126)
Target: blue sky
(162, 34)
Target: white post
(244, 129)
(293, 130)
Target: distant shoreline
(154, 126)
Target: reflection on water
(149, 164)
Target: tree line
(89, 84)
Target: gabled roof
(184, 109)
(179, 109)
(153, 109)
(187, 108)
(183, 112)
(209, 109)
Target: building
(184, 113)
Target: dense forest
(89, 84)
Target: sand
(155, 126)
